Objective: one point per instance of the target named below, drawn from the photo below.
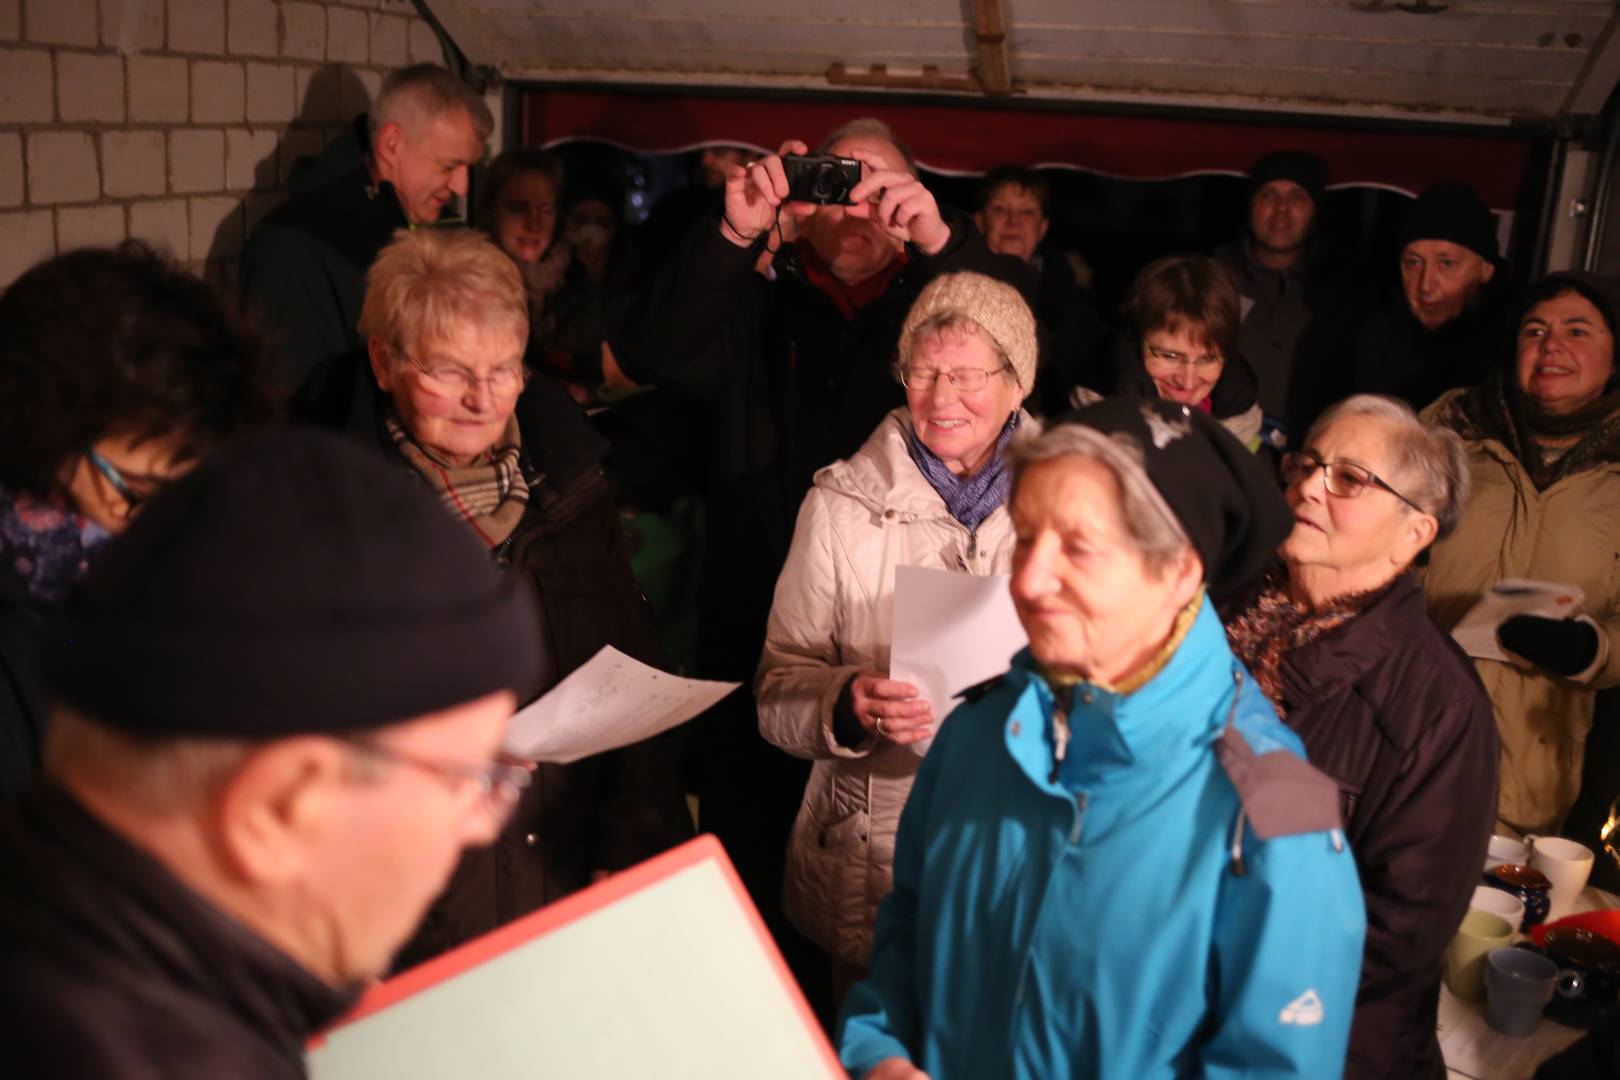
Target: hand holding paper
(1477, 632)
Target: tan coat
(1569, 533)
(832, 618)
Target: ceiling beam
(990, 33)
(1599, 75)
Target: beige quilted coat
(831, 619)
(1569, 533)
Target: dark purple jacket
(1391, 708)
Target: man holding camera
(790, 371)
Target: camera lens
(826, 183)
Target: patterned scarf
(490, 494)
(1550, 447)
(970, 499)
(1272, 626)
(44, 550)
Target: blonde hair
(429, 282)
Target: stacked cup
(1567, 865)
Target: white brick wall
(177, 121)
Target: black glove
(1562, 646)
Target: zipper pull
(1061, 700)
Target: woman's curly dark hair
(120, 342)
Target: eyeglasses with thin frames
(1344, 479)
(500, 784)
(964, 380)
(452, 380)
(1171, 359)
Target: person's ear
(272, 814)
(382, 368)
(978, 222)
(390, 141)
(1040, 233)
(1489, 272)
(1419, 532)
(1186, 572)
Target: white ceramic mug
(1505, 849)
(1499, 902)
(1567, 865)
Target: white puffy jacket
(832, 618)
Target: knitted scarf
(970, 499)
(1272, 626)
(44, 550)
(490, 495)
(1550, 447)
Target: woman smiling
(1543, 440)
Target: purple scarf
(44, 550)
(969, 499)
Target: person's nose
(1032, 576)
(478, 397)
(944, 390)
(458, 180)
(1429, 283)
(536, 222)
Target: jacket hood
(345, 154)
(882, 476)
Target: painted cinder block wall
(176, 121)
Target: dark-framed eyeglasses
(1169, 358)
(110, 473)
(500, 784)
(1344, 479)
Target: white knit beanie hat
(997, 308)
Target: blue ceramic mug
(1529, 885)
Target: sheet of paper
(951, 630)
(1476, 633)
(1473, 1049)
(664, 970)
(610, 701)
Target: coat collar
(1345, 656)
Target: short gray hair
(1150, 523)
(162, 776)
(1431, 460)
(427, 91)
(872, 128)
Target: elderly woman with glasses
(1339, 638)
(118, 371)
(1114, 862)
(929, 488)
(446, 319)
(1180, 344)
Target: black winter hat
(292, 583)
(1225, 497)
(1455, 213)
(1307, 170)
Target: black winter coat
(1396, 355)
(606, 812)
(22, 698)
(115, 969)
(1391, 708)
(304, 274)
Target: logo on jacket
(1303, 1011)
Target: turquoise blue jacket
(1126, 912)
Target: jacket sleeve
(1287, 945)
(881, 1016)
(800, 672)
(1420, 851)
(285, 282)
(695, 328)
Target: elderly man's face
(1012, 222)
(427, 161)
(397, 830)
(1441, 280)
(1280, 216)
(1086, 597)
(456, 393)
(854, 248)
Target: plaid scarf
(489, 495)
(1272, 626)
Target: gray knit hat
(997, 308)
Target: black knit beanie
(1455, 213)
(1227, 500)
(1307, 170)
(292, 583)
